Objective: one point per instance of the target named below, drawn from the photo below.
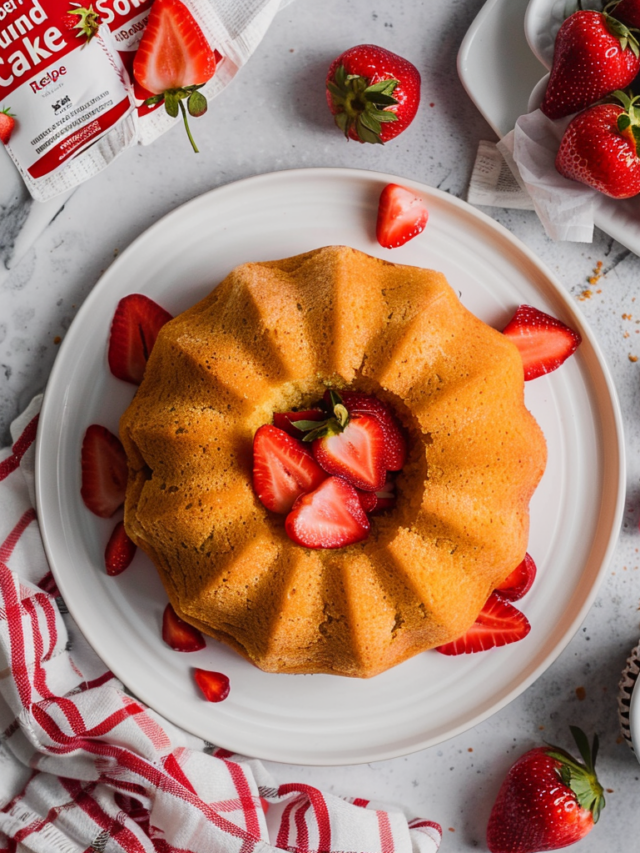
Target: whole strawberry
(547, 801)
(594, 55)
(7, 123)
(372, 93)
(600, 148)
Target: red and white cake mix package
(71, 95)
(67, 75)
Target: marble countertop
(274, 117)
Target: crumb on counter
(597, 274)
(586, 294)
(581, 693)
(57, 340)
(633, 358)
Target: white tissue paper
(565, 208)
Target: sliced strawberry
(358, 403)
(402, 215)
(519, 581)
(357, 453)
(287, 420)
(498, 624)
(174, 60)
(134, 330)
(104, 471)
(368, 500)
(283, 468)
(214, 685)
(178, 634)
(544, 342)
(119, 552)
(329, 517)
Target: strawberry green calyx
(628, 122)
(581, 778)
(627, 37)
(362, 107)
(7, 112)
(88, 21)
(333, 425)
(173, 104)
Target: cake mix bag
(71, 96)
(76, 102)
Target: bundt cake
(272, 337)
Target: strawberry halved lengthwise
(104, 471)
(283, 468)
(174, 60)
(134, 329)
(402, 215)
(357, 403)
(330, 517)
(544, 342)
(498, 624)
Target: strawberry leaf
(171, 104)
(197, 104)
(582, 742)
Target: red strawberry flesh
(214, 685)
(178, 634)
(173, 51)
(498, 624)
(357, 453)
(519, 581)
(119, 552)
(357, 403)
(134, 329)
(544, 342)
(402, 215)
(104, 471)
(329, 517)
(283, 468)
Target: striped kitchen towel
(84, 766)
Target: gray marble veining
(273, 117)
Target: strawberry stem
(333, 425)
(186, 125)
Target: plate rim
(47, 413)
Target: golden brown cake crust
(272, 336)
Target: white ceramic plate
(500, 73)
(326, 719)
